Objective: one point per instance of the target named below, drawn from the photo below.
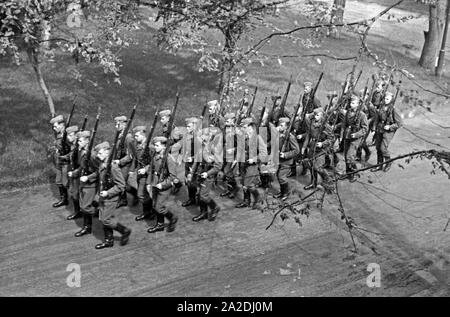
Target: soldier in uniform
(191, 142)
(74, 182)
(60, 148)
(87, 172)
(214, 118)
(142, 164)
(377, 96)
(207, 169)
(111, 185)
(230, 163)
(307, 101)
(158, 186)
(287, 156)
(277, 112)
(387, 122)
(125, 156)
(164, 116)
(355, 128)
(318, 141)
(252, 151)
(370, 111)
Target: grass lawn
(154, 76)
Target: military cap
(140, 128)
(120, 119)
(275, 97)
(160, 139)
(213, 103)
(318, 110)
(389, 93)
(308, 84)
(84, 134)
(165, 113)
(356, 95)
(284, 119)
(247, 121)
(72, 129)
(102, 146)
(192, 120)
(57, 119)
(230, 115)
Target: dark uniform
(111, 181)
(386, 116)
(191, 143)
(230, 171)
(163, 176)
(60, 147)
(290, 151)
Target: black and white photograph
(224, 154)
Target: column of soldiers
(244, 153)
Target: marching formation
(230, 145)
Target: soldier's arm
(131, 151)
(262, 149)
(119, 182)
(295, 149)
(363, 126)
(398, 121)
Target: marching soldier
(377, 96)
(111, 185)
(277, 112)
(87, 173)
(60, 148)
(387, 122)
(74, 182)
(230, 163)
(191, 142)
(318, 141)
(286, 157)
(356, 127)
(124, 155)
(370, 111)
(164, 116)
(307, 101)
(158, 186)
(142, 165)
(251, 152)
(207, 169)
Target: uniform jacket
(388, 116)
(117, 184)
(315, 135)
(168, 172)
(355, 123)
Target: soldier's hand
(189, 160)
(204, 175)
(387, 127)
(352, 136)
(250, 161)
(303, 151)
(116, 162)
(149, 189)
(282, 155)
(104, 193)
(319, 144)
(141, 171)
(299, 137)
(159, 186)
(83, 179)
(69, 174)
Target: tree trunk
(337, 16)
(32, 55)
(227, 62)
(433, 36)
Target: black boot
(125, 232)
(256, 197)
(387, 166)
(213, 210)
(367, 152)
(203, 212)
(63, 201)
(191, 201)
(159, 226)
(87, 226)
(76, 211)
(172, 221)
(123, 201)
(304, 169)
(109, 239)
(246, 201)
(293, 171)
(284, 191)
(146, 212)
(379, 161)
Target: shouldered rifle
(287, 133)
(313, 92)
(261, 116)
(87, 157)
(250, 108)
(107, 180)
(66, 147)
(286, 94)
(83, 126)
(119, 151)
(146, 153)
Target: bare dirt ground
(404, 213)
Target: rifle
(64, 146)
(283, 102)
(120, 145)
(107, 180)
(166, 151)
(249, 110)
(83, 126)
(239, 110)
(87, 157)
(146, 153)
(291, 124)
(261, 116)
